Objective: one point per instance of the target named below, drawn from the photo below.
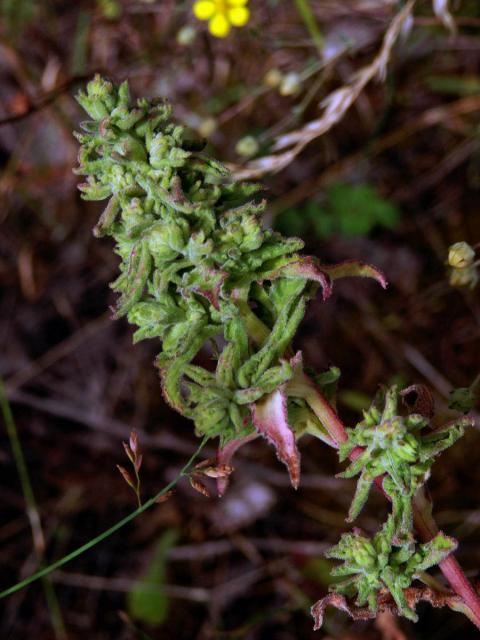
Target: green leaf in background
(359, 208)
(111, 9)
(323, 223)
(17, 14)
(146, 601)
(355, 400)
(79, 60)
(454, 85)
(349, 211)
(320, 570)
(291, 222)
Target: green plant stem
(305, 10)
(32, 513)
(106, 534)
(257, 330)
(303, 387)
(422, 512)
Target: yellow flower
(222, 14)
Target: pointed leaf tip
(306, 268)
(351, 268)
(270, 418)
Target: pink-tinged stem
(422, 512)
(427, 528)
(305, 388)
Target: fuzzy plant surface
(385, 562)
(201, 273)
(400, 449)
(224, 297)
(394, 449)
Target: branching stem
(422, 506)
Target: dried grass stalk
(334, 106)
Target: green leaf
(349, 210)
(320, 570)
(462, 399)
(322, 220)
(361, 496)
(359, 208)
(146, 601)
(435, 551)
(454, 85)
(17, 14)
(353, 399)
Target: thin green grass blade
(106, 534)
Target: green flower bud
(247, 146)
(406, 452)
(165, 241)
(130, 148)
(198, 246)
(99, 100)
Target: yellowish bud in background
(273, 78)
(247, 146)
(291, 84)
(186, 35)
(207, 127)
(464, 277)
(460, 255)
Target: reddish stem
(427, 529)
(422, 508)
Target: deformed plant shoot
(201, 273)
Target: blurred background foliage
(348, 211)
(395, 182)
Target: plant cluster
(400, 450)
(199, 271)
(382, 563)
(225, 296)
(397, 452)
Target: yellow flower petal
(236, 3)
(238, 16)
(204, 9)
(219, 26)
